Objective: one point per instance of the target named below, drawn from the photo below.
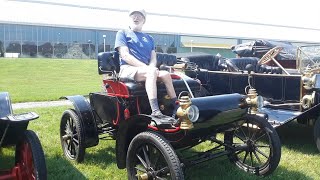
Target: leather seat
(203, 60)
(138, 88)
(241, 63)
(108, 63)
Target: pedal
(163, 121)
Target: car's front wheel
(254, 146)
(150, 156)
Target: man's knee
(152, 71)
(165, 76)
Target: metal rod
(279, 65)
(188, 87)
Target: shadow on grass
(222, 168)
(102, 157)
(6, 161)
(298, 137)
(57, 167)
(60, 168)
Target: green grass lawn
(47, 79)
(300, 158)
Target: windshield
(308, 57)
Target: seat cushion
(138, 88)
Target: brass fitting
(252, 101)
(308, 81)
(182, 112)
(307, 101)
(143, 176)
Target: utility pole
(104, 42)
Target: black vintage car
(153, 148)
(29, 157)
(290, 91)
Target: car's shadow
(219, 168)
(298, 137)
(61, 168)
(222, 168)
(57, 167)
(102, 157)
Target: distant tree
(29, 49)
(13, 47)
(1, 49)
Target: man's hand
(153, 60)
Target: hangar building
(82, 29)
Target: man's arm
(128, 58)
(153, 60)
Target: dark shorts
(127, 71)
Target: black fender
(128, 129)
(312, 113)
(5, 104)
(85, 113)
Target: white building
(52, 28)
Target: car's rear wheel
(254, 146)
(30, 157)
(150, 156)
(72, 136)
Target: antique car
(290, 92)
(29, 157)
(152, 147)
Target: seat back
(166, 59)
(5, 105)
(203, 60)
(108, 62)
(241, 63)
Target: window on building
(207, 42)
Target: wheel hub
(143, 176)
(251, 146)
(147, 175)
(68, 135)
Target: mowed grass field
(47, 79)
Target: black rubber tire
(71, 128)
(38, 163)
(316, 133)
(151, 146)
(255, 142)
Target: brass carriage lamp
(187, 113)
(254, 101)
(308, 79)
(311, 80)
(311, 83)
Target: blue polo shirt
(139, 44)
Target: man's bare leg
(165, 77)
(149, 75)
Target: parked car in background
(289, 92)
(29, 157)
